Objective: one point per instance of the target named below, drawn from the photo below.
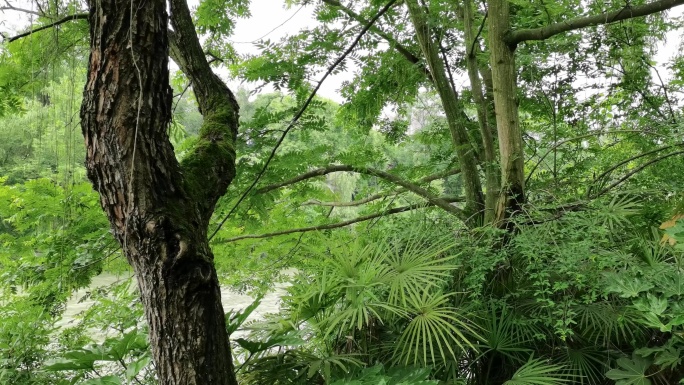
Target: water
(230, 300)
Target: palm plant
(383, 301)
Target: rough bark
(506, 106)
(152, 202)
(454, 113)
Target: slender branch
(430, 197)
(10, 7)
(562, 142)
(308, 175)
(78, 16)
(635, 171)
(477, 36)
(330, 226)
(627, 12)
(316, 202)
(673, 117)
(557, 213)
(384, 194)
(405, 52)
(623, 162)
(299, 113)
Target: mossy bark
(159, 209)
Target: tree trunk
(158, 209)
(506, 106)
(492, 181)
(454, 113)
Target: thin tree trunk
(158, 209)
(454, 113)
(492, 181)
(506, 106)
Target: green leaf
(538, 372)
(60, 364)
(106, 380)
(136, 366)
(626, 287)
(235, 319)
(78, 359)
(631, 371)
(657, 305)
(125, 345)
(670, 357)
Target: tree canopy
(496, 199)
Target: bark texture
(506, 106)
(158, 208)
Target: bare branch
(10, 7)
(332, 225)
(623, 162)
(562, 142)
(627, 12)
(342, 168)
(78, 16)
(316, 202)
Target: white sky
(273, 20)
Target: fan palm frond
(589, 363)
(417, 266)
(615, 214)
(433, 332)
(538, 372)
(606, 322)
(501, 335)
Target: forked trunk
(152, 206)
(474, 207)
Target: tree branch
(623, 162)
(384, 194)
(316, 202)
(627, 12)
(78, 16)
(332, 225)
(413, 59)
(635, 171)
(209, 168)
(10, 7)
(299, 113)
(374, 172)
(562, 142)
